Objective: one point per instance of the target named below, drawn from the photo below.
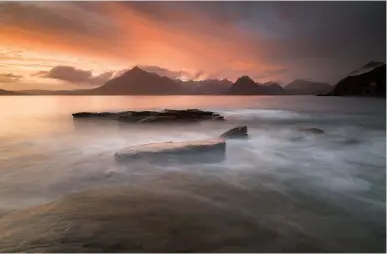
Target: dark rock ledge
(142, 117)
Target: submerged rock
(211, 150)
(164, 116)
(312, 130)
(237, 132)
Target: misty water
(282, 190)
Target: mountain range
(369, 80)
(139, 82)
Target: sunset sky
(72, 45)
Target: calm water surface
(280, 191)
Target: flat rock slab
(206, 151)
(164, 116)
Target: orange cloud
(171, 46)
(193, 44)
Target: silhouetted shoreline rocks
(164, 116)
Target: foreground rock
(145, 218)
(164, 116)
(237, 132)
(206, 151)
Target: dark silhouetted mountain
(138, 81)
(306, 87)
(207, 87)
(272, 88)
(369, 80)
(245, 86)
(366, 68)
(6, 92)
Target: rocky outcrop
(164, 116)
(237, 132)
(368, 81)
(208, 151)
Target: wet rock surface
(135, 219)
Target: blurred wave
(328, 191)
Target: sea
(280, 190)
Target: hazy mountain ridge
(306, 87)
(273, 88)
(208, 86)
